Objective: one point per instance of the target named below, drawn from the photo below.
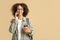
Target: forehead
(19, 6)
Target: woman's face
(20, 10)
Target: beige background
(44, 15)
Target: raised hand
(16, 16)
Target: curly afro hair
(25, 9)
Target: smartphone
(25, 25)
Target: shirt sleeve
(12, 27)
(31, 27)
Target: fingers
(16, 14)
(26, 28)
(16, 17)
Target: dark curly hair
(25, 9)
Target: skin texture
(18, 15)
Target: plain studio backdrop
(44, 15)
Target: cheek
(18, 10)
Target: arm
(12, 27)
(31, 28)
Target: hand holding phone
(26, 29)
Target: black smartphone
(25, 25)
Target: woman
(21, 27)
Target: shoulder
(12, 20)
(27, 18)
